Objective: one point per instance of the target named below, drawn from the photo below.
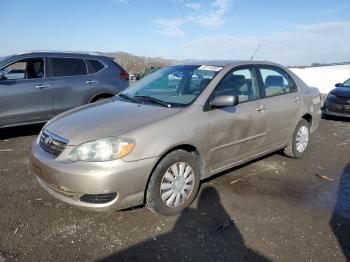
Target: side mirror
(338, 84)
(223, 101)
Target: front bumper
(69, 181)
(336, 106)
(327, 112)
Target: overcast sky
(297, 32)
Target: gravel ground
(273, 209)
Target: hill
(137, 65)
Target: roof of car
(224, 63)
(60, 54)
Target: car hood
(341, 91)
(110, 118)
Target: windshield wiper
(154, 100)
(127, 97)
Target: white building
(323, 77)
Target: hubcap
(302, 139)
(177, 184)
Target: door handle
(260, 108)
(42, 86)
(89, 82)
(297, 99)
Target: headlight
(105, 149)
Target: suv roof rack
(57, 51)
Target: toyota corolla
(154, 142)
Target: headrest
(238, 78)
(274, 81)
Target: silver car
(154, 142)
(35, 86)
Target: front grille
(338, 104)
(345, 109)
(341, 100)
(52, 143)
(98, 199)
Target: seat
(30, 71)
(274, 85)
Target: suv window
(276, 82)
(96, 65)
(29, 68)
(68, 67)
(241, 82)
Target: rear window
(68, 67)
(276, 81)
(96, 65)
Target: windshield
(173, 86)
(346, 83)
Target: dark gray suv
(36, 86)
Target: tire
(100, 99)
(293, 149)
(178, 191)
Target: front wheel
(174, 183)
(299, 141)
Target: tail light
(124, 75)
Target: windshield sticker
(210, 68)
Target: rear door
(237, 132)
(25, 92)
(70, 82)
(282, 102)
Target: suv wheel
(299, 141)
(100, 99)
(174, 183)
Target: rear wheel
(101, 98)
(174, 183)
(299, 141)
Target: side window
(276, 82)
(96, 65)
(68, 67)
(24, 69)
(240, 82)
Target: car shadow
(240, 166)
(335, 118)
(13, 132)
(206, 233)
(223, 173)
(340, 221)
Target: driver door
(237, 132)
(25, 93)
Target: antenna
(256, 50)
